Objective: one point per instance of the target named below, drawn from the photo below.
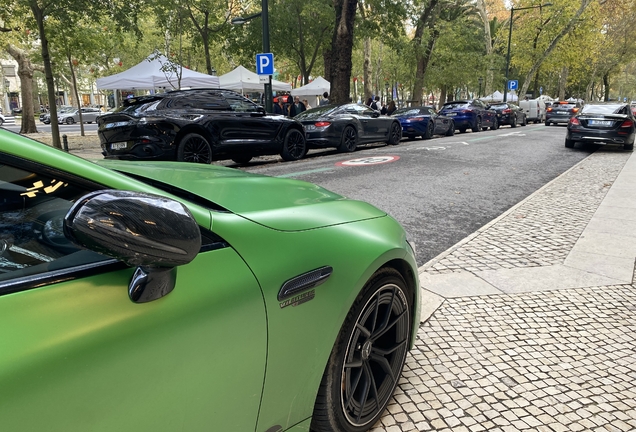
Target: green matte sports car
(162, 296)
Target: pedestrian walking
(296, 108)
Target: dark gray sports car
(347, 126)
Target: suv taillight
(627, 124)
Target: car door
(375, 127)
(78, 355)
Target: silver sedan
(89, 115)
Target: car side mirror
(154, 233)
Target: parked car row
(205, 125)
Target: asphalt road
(442, 190)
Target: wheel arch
(193, 128)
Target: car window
(240, 104)
(603, 109)
(315, 113)
(455, 105)
(31, 215)
(477, 103)
(407, 112)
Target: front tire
(349, 140)
(294, 146)
(395, 134)
(429, 130)
(70, 120)
(194, 148)
(451, 129)
(495, 124)
(477, 127)
(367, 358)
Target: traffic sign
(513, 85)
(265, 64)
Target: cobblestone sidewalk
(550, 361)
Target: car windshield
(601, 109)
(455, 105)
(316, 112)
(409, 112)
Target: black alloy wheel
(395, 134)
(368, 357)
(294, 146)
(477, 127)
(451, 129)
(70, 120)
(430, 128)
(194, 148)
(349, 140)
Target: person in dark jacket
(297, 107)
(279, 108)
(391, 108)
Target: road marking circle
(365, 161)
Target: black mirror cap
(138, 228)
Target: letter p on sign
(265, 64)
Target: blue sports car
(473, 114)
(424, 121)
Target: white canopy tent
(497, 96)
(243, 80)
(157, 71)
(315, 88)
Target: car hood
(282, 204)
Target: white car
(89, 115)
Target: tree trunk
(25, 72)
(563, 80)
(78, 102)
(483, 13)
(423, 55)
(38, 13)
(606, 87)
(368, 76)
(442, 96)
(341, 48)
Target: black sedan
(611, 123)
(347, 126)
(199, 125)
(424, 121)
(510, 114)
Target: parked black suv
(198, 125)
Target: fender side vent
(304, 281)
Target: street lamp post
(481, 81)
(512, 11)
(264, 14)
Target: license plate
(599, 122)
(562, 112)
(118, 146)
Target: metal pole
(268, 86)
(505, 94)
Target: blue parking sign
(265, 64)
(513, 85)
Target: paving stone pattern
(550, 361)
(542, 230)
(547, 361)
